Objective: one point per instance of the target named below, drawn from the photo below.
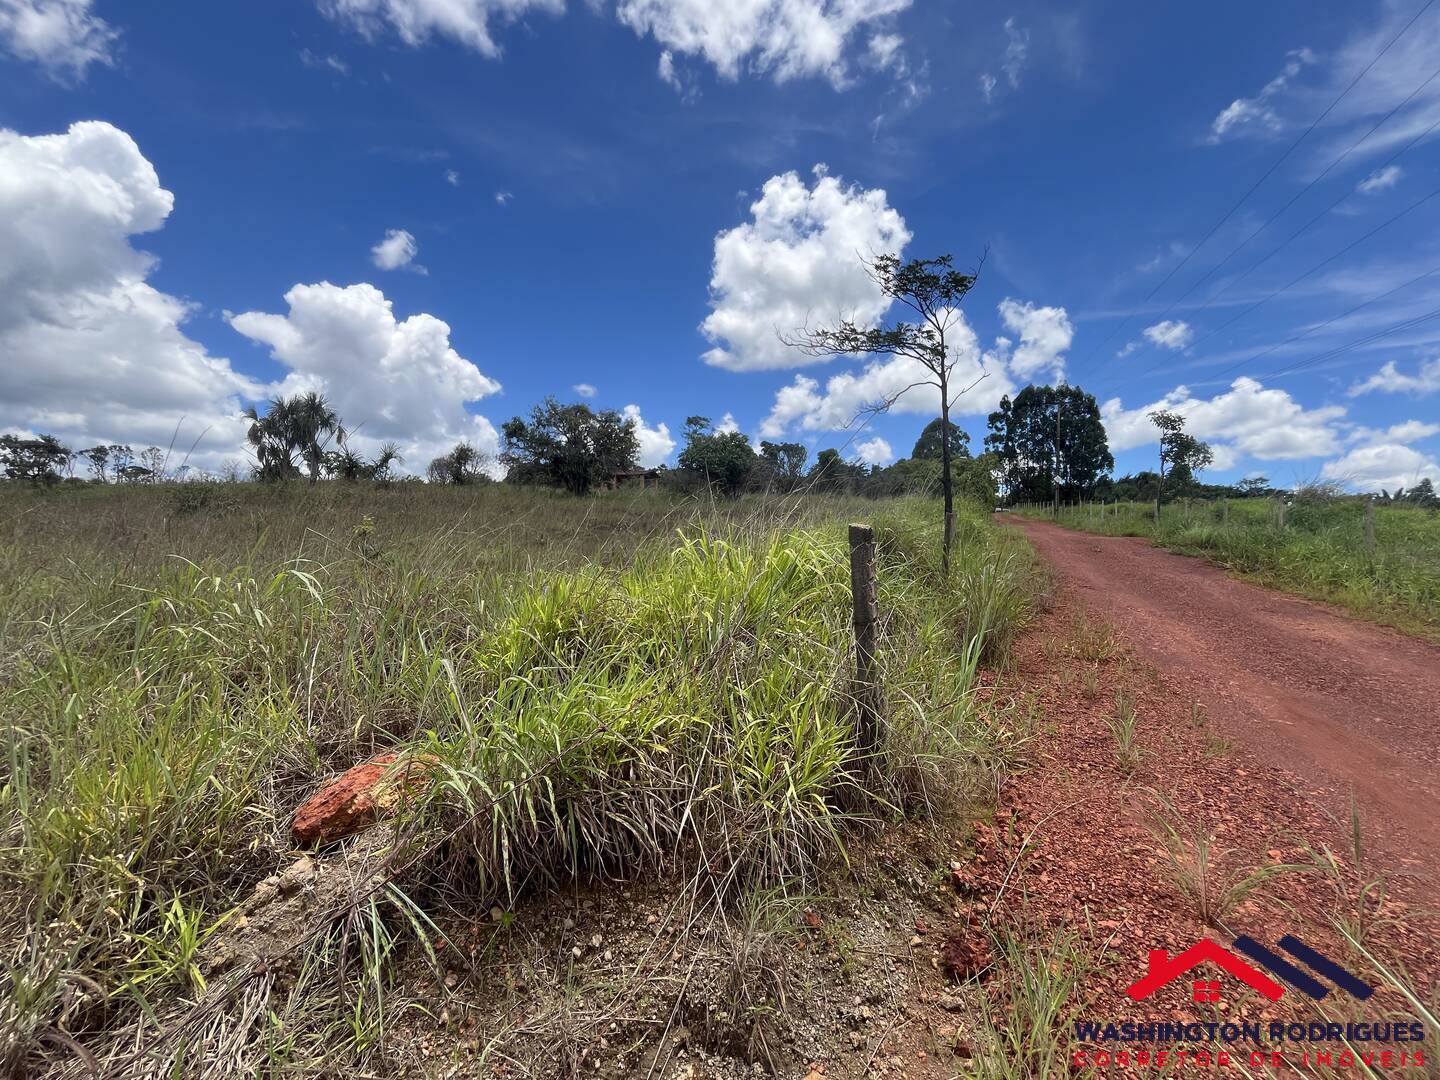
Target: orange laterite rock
(359, 797)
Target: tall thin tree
(933, 290)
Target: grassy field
(629, 683)
(1318, 551)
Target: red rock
(964, 956)
(359, 797)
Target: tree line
(1047, 442)
(571, 447)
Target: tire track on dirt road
(1341, 705)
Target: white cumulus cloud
(797, 261)
(727, 425)
(390, 380)
(1407, 431)
(666, 69)
(1045, 333)
(1170, 334)
(1249, 114)
(1248, 419)
(884, 51)
(63, 36)
(396, 250)
(785, 39)
(584, 389)
(1391, 380)
(875, 451)
(1385, 465)
(655, 442)
(89, 351)
(416, 21)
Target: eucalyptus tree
(1050, 443)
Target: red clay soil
(1229, 684)
(1337, 705)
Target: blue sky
(632, 197)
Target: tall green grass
(667, 692)
(1318, 551)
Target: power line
(1318, 266)
(1264, 176)
(1322, 214)
(1327, 322)
(1366, 340)
(1300, 194)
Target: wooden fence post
(1370, 526)
(867, 690)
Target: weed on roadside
(1210, 878)
(1123, 722)
(1023, 1011)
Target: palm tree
(345, 464)
(270, 436)
(389, 456)
(301, 424)
(312, 422)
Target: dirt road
(1341, 705)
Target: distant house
(632, 478)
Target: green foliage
(932, 288)
(974, 479)
(346, 464)
(785, 462)
(831, 472)
(34, 461)
(928, 445)
(1026, 1007)
(1180, 452)
(293, 432)
(568, 446)
(722, 458)
(462, 465)
(1421, 495)
(1050, 442)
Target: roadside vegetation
(632, 686)
(1312, 542)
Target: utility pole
(1055, 462)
